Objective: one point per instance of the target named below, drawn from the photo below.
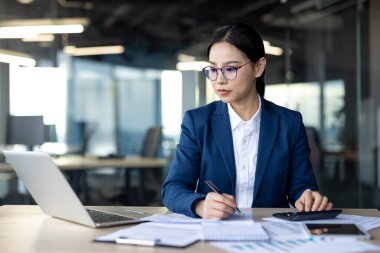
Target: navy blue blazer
(205, 152)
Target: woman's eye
(229, 69)
(212, 70)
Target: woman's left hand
(313, 201)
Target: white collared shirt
(245, 135)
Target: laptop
(54, 195)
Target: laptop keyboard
(100, 217)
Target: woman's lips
(223, 92)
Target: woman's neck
(247, 108)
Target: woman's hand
(313, 201)
(216, 206)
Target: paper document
(311, 245)
(162, 234)
(286, 230)
(180, 218)
(172, 218)
(233, 231)
(177, 230)
(365, 222)
(246, 214)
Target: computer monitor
(25, 130)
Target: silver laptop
(54, 195)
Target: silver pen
(137, 241)
(216, 189)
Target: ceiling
(154, 32)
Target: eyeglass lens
(229, 72)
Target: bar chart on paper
(309, 245)
(263, 247)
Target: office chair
(147, 179)
(152, 140)
(315, 151)
(50, 133)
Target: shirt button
(243, 167)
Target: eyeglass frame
(221, 70)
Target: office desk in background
(77, 166)
(89, 162)
(74, 162)
(28, 229)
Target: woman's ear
(260, 66)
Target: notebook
(54, 195)
(233, 231)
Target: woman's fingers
(313, 201)
(218, 206)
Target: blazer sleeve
(301, 175)
(178, 190)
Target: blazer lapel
(221, 128)
(267, 139)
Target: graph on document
(272, 246)
(297, 246)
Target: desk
(81, 164)
(27, 229)
(73, 162)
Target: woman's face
(243, 87)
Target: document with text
(173, 235)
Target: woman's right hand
(216, 206)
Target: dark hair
(248, 40)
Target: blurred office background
(323, 60)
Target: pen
(137, 241)
(216, 189)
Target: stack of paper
(233, 231)
(177, 230)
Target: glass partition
(328, 80)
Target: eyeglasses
(229, 72)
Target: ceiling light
(31, 31)
(29, 28)
(40, 38)
(45, 21)
(185, 57)
(191, 65)
(75, 4)
(25, 1)
(13, 57)
(269, 49)
(83, 51)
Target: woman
(255, 151)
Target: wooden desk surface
(73, 162)
(28, 229)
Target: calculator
(313, 215)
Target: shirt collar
(235, 119)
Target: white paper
(175, 235)
(180, 218)
(244, 215)
(172, 218)
(365, 222)
(233, 231)
(285, 230)
(311, 245)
